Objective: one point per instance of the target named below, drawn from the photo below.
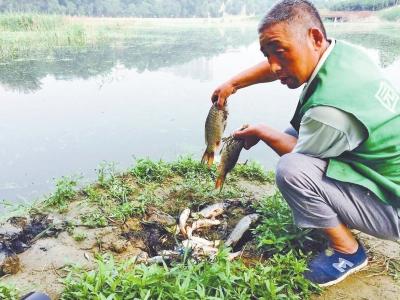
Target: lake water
(65, 112)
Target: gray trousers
(320, 202)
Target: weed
(106, 173)
(277, 231)
(93, 194)
(253, 171)
(186, 166)
(94, 219)
(146, 170)
(65, 192)
(394, 269)
(8, 292)
(79, 237)
(279, 278)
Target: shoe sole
(352, 271)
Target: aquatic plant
(279, 278)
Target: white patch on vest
(387, 96)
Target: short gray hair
(291, 10)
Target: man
(340, 164)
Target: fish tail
(219, 183)
(208, 158)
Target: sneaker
(331, 266)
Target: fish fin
(219, 183)
(208, 158)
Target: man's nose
(275, 67)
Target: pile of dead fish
(191, 224)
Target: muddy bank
(132, 218)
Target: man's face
(291, 53)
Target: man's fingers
(221, 102)
(214, 97)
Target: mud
(19, 233)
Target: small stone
(9, 264)
(131, 225)
(119, 246)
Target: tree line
(139, 8)
(171, 8)
(357, 5)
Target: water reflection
(148, 51)
(64, 113)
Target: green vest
(350, 81)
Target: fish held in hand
(229, 157)
(241, 227)
(214, 130)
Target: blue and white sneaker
(331, 266)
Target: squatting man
(340, 159)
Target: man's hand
(280, 142)
(222, 93)
(250, 135)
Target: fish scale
(214, 129)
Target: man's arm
(257, 74)
(280, 142)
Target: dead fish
(211, 211)
(229, 156)
(204, 223)
(241, 227)
(169, 253)
(159, 259)
(205, 251)
(232, 256)
(189, 231)
(183, 219)
(205, 242)
(214, 130)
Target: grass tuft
(280, 278)
(8, 292)
(65, 192)
(146, 170)
(277, 231)
(253, 171)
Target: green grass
(277, 231)
(279, 278)
(65, 192)
(390, 14)
(146, 170)
(8, 292)
(253, 171)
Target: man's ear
(317, 37)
